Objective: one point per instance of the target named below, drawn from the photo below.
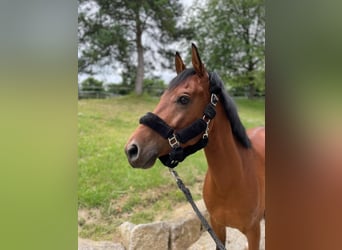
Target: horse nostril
(132, 151)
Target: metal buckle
(206, 132)
(174, 143)
(214, 99)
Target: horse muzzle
(140, 157)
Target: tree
(91, 84)
(233, 35)
(92, 88)
(121, 32)
(154, 86)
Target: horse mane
(229, 106)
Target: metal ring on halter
(214, 99)
(206, 134)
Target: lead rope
(204, 222)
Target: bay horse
(234, 185)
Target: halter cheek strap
(200, 126)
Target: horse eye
(184, 100)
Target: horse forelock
(181, 77)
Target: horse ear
(196, 61)
(180, 66)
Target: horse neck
(223, 154)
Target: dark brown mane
(229, 106)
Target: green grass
(107, 183)
(251, 112)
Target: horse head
(181, 105)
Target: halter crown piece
(176, 138)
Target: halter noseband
(176, 138)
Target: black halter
(175, 138)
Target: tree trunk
(140, 50)
(251, 79)
(251, 91)
(140, 71)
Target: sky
(108, 75)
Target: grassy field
(109, 190)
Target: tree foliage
(152, 86)
(91, 88)
(121, 33)
(232, 37)
(92, 84)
